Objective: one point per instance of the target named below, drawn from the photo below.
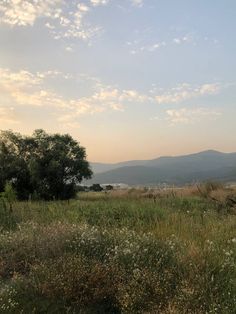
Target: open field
(121, 252)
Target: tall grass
(118, 253)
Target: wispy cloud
(146, 48)
(27, 89)
(24, 88)
(190, 116)
(142, 45)
(183, 39)
(99, 2)
(145, 42)
(185, 92)
(69, 49)
(138, 3)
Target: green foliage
(8, 221)
(7, 199)
(47, 165)
(9, 195)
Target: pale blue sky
(129, 79)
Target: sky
(129, 79)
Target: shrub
(9, 195)
(206, 188)
(96, 188)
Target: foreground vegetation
(120, 252)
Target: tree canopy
(46, 166)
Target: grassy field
(120, 252)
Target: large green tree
(47, 165)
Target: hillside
(103, 167)
(173, 170)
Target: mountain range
(206, 165)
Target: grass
(120, 252)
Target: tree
(13, 163)
(96, 188)
(109, 187)
(49, 165)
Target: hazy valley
(206, 165)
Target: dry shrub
(205, 189)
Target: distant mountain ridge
(102, 167)
(206, 165)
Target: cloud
(144, 42)
(25, 12)
(144, 45)
(29, 88)
(138, 3)
(134, 96)
(26, 89)
(177, 41)
(185, 92)
(72, 22)
(99, 2)
(69, 49)
(20, 78)
(189, 116)
(64, 19)
(147, 48)
(183, 39)
(83, 7)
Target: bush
(9, 195)
(96, 188)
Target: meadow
(134, 251)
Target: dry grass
(120, 252)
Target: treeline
(42, 166)
(96, 187)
